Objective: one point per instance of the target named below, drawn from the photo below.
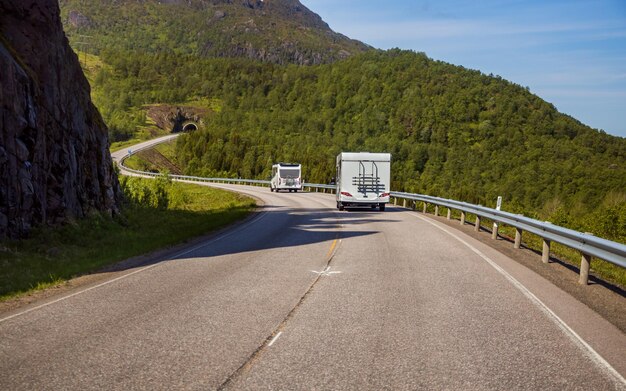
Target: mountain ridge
(277, 31)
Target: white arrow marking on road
(325, 272)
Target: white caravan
(363, 179)
(286, 176)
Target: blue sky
(572, 53)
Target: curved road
(302, 296)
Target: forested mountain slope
(453, 132)
(278, 31)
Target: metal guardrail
(588, 244)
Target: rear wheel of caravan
(381, 207)
(339, 206)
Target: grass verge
(52, 256)
(161, 158)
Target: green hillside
(453, 132)
(278, 31)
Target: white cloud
(448, 28)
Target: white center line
(274, 339)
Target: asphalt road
(302, 296)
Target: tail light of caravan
(384, 195)
(345, 193)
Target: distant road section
(305, 297)
(119, 155)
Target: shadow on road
(273, 227)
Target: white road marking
(600, 362)
(274, 339)
(77, 293)
(220, 237)
(325, 272)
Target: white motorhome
(286, 176)
(363, 179)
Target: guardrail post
(545, 254)
(462, 218)
(494, 231)
(585, 264)
(414, 205)
(404, 203)
(449, 214)
(424, 208)
(477, 224)
(518, 238)
(436, 210)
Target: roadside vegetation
(161, 158)
(477, 138)
(157, 213)
(452, 132)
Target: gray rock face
(78, 20)
(54, 158)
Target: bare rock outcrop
(54, 159)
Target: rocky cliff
(54, 158)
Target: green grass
(167, 149)
(52, 256)
(139, 162)
(214, 104)
(136, 162)
(91, 64)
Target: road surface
(304, 297)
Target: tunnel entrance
(189, 127)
